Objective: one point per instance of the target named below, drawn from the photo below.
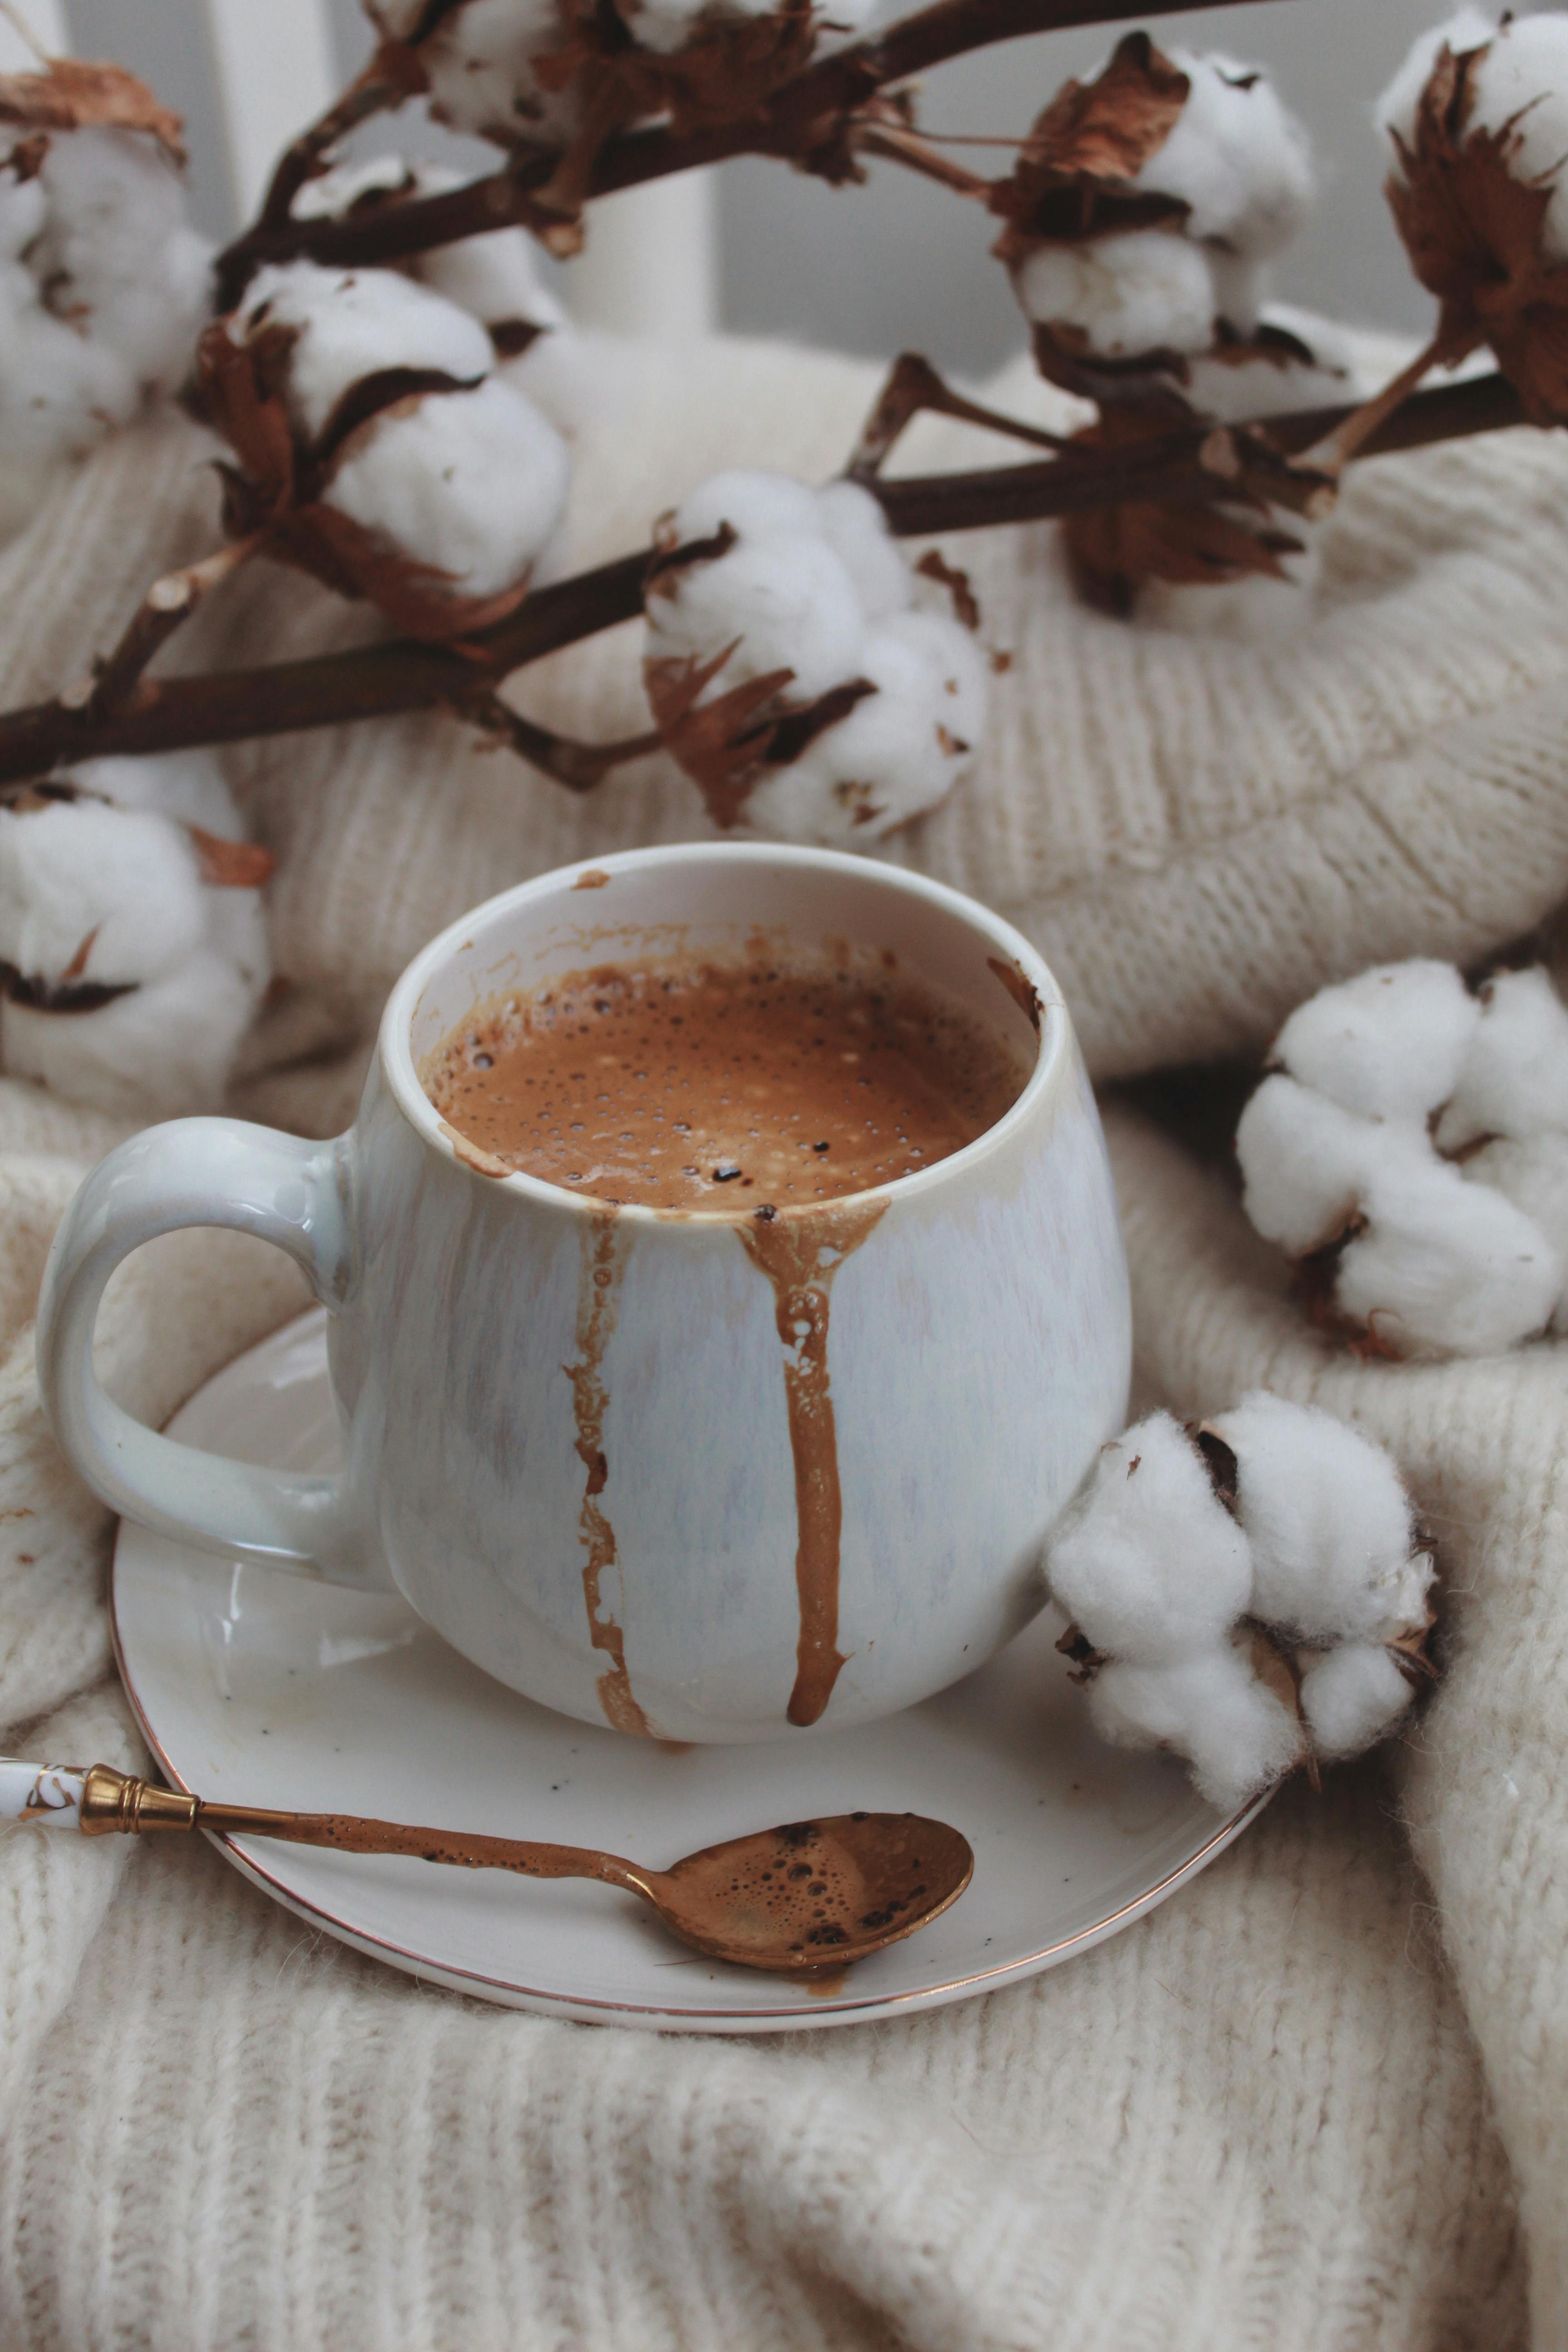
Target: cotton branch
(405, 674)
(809, 122)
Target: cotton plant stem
(579, 766)
(167, 605)
(373, 92)
(910, 149)
(405, 674)
(914, 387)
(804, 123)
(1358, 427)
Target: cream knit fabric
(1319, 2100)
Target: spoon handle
(101, 1800)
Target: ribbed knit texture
(1320, 2098)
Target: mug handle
(199, 1172)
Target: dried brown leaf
(1473, 230)
(72, 94)
(1074, 177)
(723, 744)
(227, 864)
(1087, 1661)
(932, 565)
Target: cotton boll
(1211, 1709)
(1532, 1173)
(1521, 89)
(1149, 1563)
(753, 504)
(1396, 111)
(1389, 1043)
(22, 210)
(472, 484)
(480, 64)
(1350, 1696)
(353, 324)
(116, 256)
(1329, 1521)
(165, 1047)
(1236, 385)
(59, 390)
(1306, 1164)
(1445, 1267)
(1514, 1078)
(494, 277)
(1235, 157)
(783, 603)
(97, 894)
(1137, 291)
(855, 526)
(185, 785)
(897, 753)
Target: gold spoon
(809, 1895)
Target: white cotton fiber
(1533, 1174)
(1149, 1562)
(856, 528)
(1389, 1043)
(752, 503)
(480, 64)
(101, 894)
(1350, 1696)
(1447, 1267)
(119, 871)
(353, 324)
(1513, 1080)
(1137, 291)
(783, 603)
(1235, 157)
(1211, 1709)
(1521, 87)
(1329, 1521)
(898, 753)
(1237, 385)
(472, 484)
(1306, 1163)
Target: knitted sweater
(1318, 2100)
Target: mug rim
(395, 1055)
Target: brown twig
(808, 121)
(908, 148)
(385, 680)
(168, 604)
(913, 387)
(372, 92)
(579, 766)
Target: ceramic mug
(689, 1474)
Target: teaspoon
(804, 1896)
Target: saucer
(263, 1688)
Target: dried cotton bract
(133, 948)
(1251, 1594)
(378, 450)
(103, 283)
(1476, 122)
(789, 669)
(1412, 1149)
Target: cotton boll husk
(783, 603)
(1389, 1043)
(1447, 1267)
(855, 526)
(753, 504)
(118, 253)
(165, 1047)
(471, 483)
(1306, 1163)
(1514, 1078)
(1350, 1696)
(1329, 1521)
(353, 324)
(1532, 1173)
(1211, 1709)
(1237, 157)
(185, 785)
(1521, 86)
(1257, 609)
(1394, 113)
(128, 881)
(1139, 291)
(1149, 1563)
(898, 753)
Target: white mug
(691, 1474)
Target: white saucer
(266, 1689)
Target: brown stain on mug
(1020, 988)
(604, 1253)
(800, 1254)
